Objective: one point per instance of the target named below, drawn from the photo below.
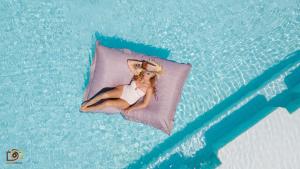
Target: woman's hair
(152, 81)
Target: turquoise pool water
(44, 56)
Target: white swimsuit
(131, 93)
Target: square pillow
(109, 69)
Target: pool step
(235, 123)
(228, 129)
(271, 143)
(238, 122)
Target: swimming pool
(45, 48)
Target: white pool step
(273, 143)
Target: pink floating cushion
(109, 68)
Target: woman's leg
(114, 93)
(118, 103)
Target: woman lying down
(125, 97)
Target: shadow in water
(290, 98)
(118, 43)
(256, 105)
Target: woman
(125, 97)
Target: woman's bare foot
(84, 103)
(82, 109)
(83, 106)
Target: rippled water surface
(45, 48)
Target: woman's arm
(134, 65)
(144, 103)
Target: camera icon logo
(14, 156)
